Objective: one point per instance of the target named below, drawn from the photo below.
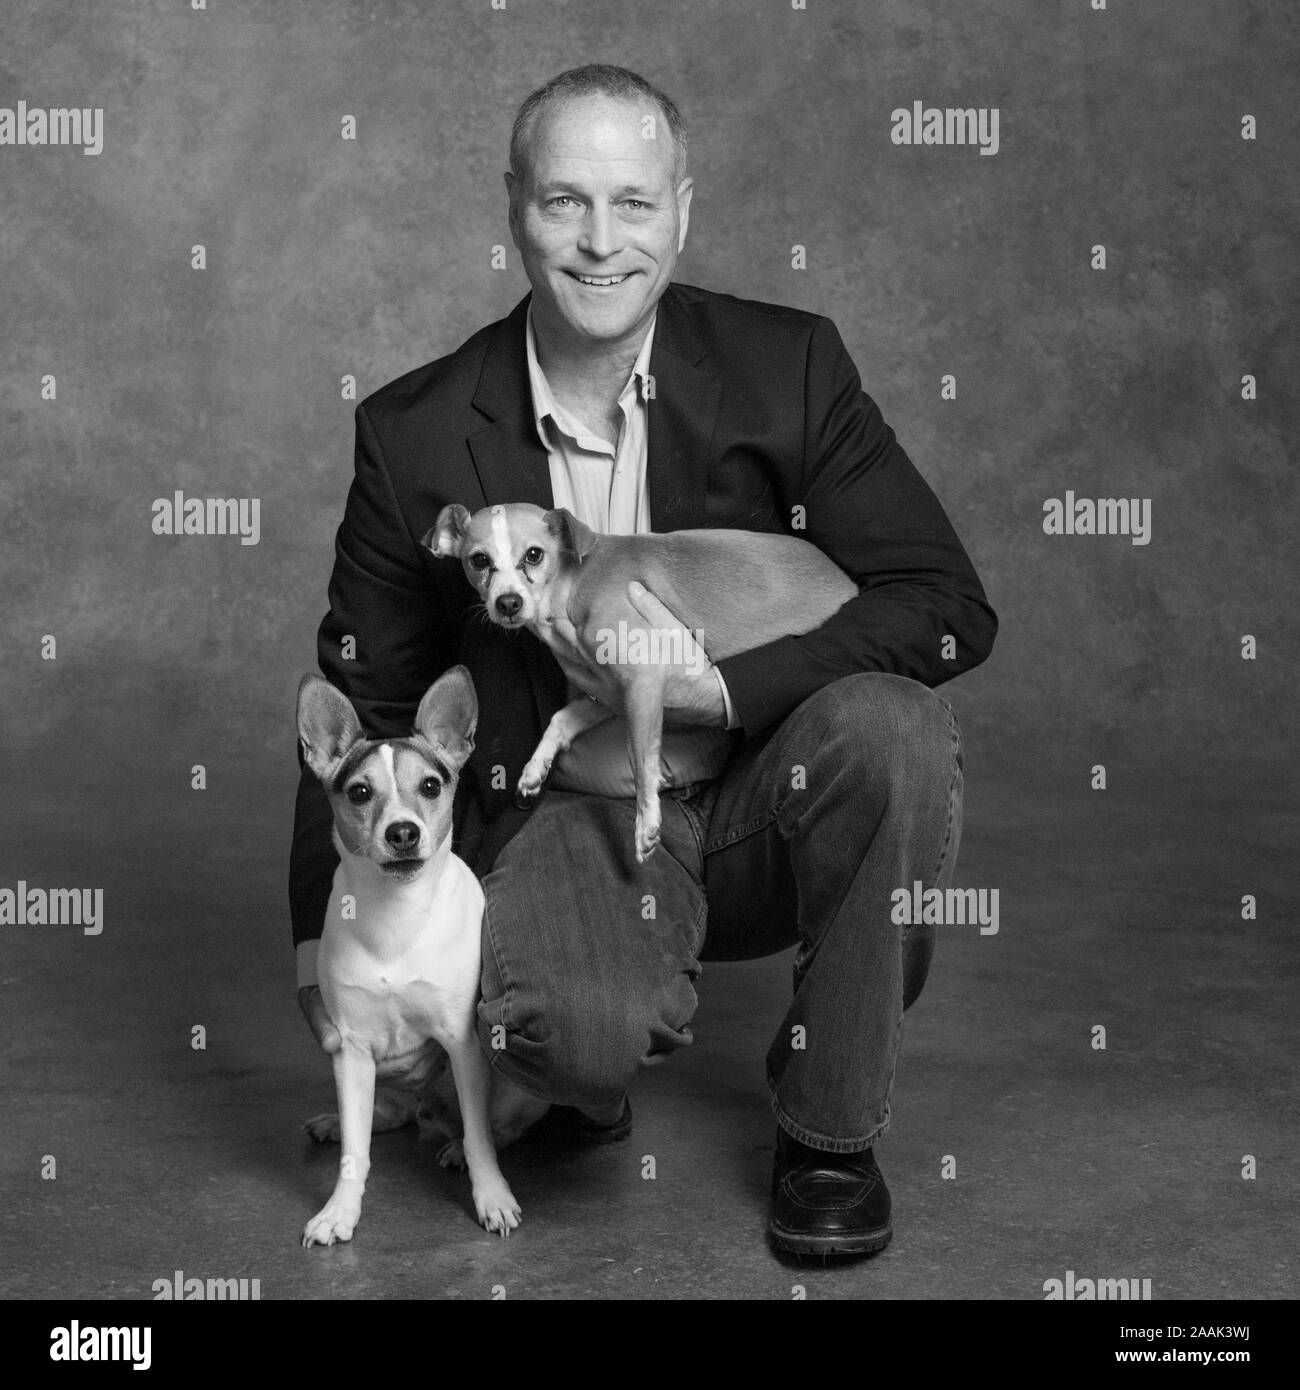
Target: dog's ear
(327, 725)
(448, 715)
(445, 535)
(574, 537)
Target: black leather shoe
(826, 1203)
(564, 1124)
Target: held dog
(400, 953)
(547, 572)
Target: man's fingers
(686, 651)
(649, 607)
(318, 1018)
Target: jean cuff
(824, 1142)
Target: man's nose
(508, 605)
(600, 232)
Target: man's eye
(358, 793)
(430, 787)
(562, 198)
(479, 561)
(534, 555)
(636, 204)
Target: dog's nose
(508, 605)
(403, 834)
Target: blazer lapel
(682, 415)
(508, 456)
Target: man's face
(597, 219)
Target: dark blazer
(757, 409)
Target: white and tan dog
(400, 953)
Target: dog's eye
(534, 555)
(430, 787)
(479, 561)
(358, 793)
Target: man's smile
(599, 281)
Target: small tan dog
(547, 572)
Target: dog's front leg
(565, 726)
(493, 1201)
(643, 699)
(354, 1079)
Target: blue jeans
(590, 959)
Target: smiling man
(806, 780)
(598, 209)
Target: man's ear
(327, 725)
(513, 193)
(684, 191)
(448, 715)
(445, 535)
(575, 539)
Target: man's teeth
(602, 279)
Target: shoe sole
(593, 1137)
(604, 1136)
(584, 1135)
(864, 1243)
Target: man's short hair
(596, 79)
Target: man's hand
(692, 694)
(317, 1016)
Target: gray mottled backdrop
(129, 658)
(327, 257)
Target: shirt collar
(544, 403)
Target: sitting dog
(400, 953)
(547, 572)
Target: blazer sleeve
(870, 510)
(404, 633)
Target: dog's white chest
(405, 971)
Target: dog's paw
(497, 1209)
(647, 839)
(532, 782)
(324, 1129)
(334, 1222)
(452, 1154)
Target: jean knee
(570, 1053)
(889, 729)
(578, 987)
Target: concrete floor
(1119, 908)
